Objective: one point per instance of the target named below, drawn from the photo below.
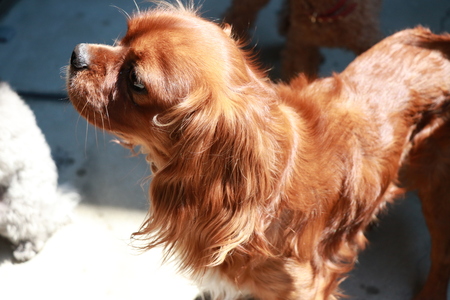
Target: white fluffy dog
(32, 207)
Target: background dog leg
(300, 58)
(437, 218)
(436, 208)
(242, 15)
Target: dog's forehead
(162, 26)
(183, 37)
(171, 41)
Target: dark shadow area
(6, 249)
(6, 6)
(396, 261)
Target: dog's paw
(25, 251)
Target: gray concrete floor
(92, 257)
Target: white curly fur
(32, 207)
(215, 286)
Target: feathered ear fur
(213, 195)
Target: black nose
(80, 59)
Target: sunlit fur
(263, 189)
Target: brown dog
(311, 24)
(265, 190)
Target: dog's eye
(135, 83)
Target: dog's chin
(89, 103)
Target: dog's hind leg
(429, 173)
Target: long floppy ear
(213, 195)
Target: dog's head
(169, 65)
(181, 87)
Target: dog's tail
(423, 37)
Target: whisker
(104, 130)
(63, 72)
(116, 41)
(108, 119)
(86, 136)
(137, 7)
(95, 129)
(122, 11)
(85, 107)
(86, 130)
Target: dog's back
(406, 78)
(409, 70)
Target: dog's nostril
(80, 59)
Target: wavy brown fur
(265, 190)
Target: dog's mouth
(78, 82)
